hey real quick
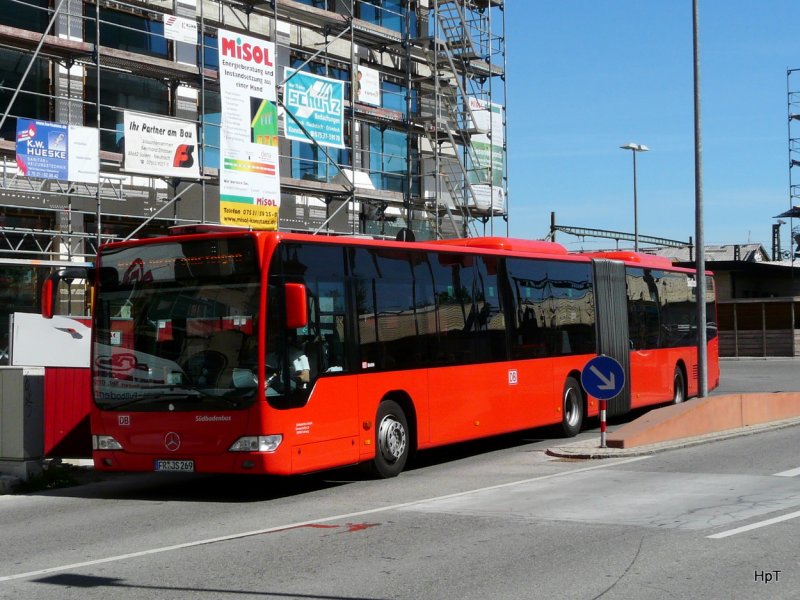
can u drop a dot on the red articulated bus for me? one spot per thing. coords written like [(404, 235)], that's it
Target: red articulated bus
[(267, 352)]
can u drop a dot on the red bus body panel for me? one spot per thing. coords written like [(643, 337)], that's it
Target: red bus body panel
[(67, 404)]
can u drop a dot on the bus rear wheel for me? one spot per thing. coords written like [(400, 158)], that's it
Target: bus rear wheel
[(678, 387), (392, 440), (571, 408)]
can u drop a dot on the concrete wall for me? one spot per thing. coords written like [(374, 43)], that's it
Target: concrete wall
[(704, 416)]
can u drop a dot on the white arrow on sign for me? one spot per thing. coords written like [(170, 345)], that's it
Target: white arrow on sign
[(607, 382)]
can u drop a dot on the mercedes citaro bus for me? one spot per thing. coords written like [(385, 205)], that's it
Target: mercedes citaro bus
[(197, 338)]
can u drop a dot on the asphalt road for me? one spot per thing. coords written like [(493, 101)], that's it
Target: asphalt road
[(748, 375), (492, 519)]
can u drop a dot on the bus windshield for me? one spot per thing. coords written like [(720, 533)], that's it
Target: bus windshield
[(175, 326)]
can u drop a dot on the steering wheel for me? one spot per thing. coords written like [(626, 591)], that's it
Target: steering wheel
[(204, 368)]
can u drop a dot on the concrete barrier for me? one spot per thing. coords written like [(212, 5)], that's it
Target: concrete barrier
[(705, 415), (21, 421)]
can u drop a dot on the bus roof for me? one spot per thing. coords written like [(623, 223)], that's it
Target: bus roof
[(492, 243), (193, 228), (630, 257), (507, 244)]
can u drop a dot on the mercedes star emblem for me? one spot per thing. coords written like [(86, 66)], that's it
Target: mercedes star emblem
[(172, 441)]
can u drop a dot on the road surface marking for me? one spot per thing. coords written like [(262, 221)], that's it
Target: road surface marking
[(752, 526), (789, 473), (238, 536)]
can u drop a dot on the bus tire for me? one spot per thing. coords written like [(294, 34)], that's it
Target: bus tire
[(678, 386), (392, 440), (571, 408)]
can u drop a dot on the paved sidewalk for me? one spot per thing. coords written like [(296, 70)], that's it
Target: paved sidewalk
[(590, 448)]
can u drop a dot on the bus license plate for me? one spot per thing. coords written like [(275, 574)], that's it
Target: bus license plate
[(186, 466)]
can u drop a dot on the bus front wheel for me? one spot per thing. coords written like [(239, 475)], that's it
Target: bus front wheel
[(392, 440), (571, 408)]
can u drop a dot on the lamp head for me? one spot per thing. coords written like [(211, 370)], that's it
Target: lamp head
[(635, 147)]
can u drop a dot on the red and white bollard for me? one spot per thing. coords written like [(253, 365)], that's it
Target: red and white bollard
[(603, 404)]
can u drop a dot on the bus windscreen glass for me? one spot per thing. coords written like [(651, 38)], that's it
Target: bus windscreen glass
[(175, 326)]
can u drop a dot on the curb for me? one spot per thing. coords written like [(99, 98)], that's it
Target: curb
[(588, 449)]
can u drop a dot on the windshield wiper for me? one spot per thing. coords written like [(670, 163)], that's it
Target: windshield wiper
[(158, 395), (230, 397)]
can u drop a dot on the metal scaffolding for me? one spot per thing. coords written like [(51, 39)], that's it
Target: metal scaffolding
[(793, 107), (443, 90)]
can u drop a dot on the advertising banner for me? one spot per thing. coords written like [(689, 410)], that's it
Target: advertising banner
[(179, 29), (250, 184), (368, 86), (160, 146), (55, 151), (42, 149), (318, 104), (83, 148), (488, 150)]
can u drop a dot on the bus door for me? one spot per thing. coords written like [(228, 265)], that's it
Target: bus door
[(650, 376), (613, 337), (309, 378)]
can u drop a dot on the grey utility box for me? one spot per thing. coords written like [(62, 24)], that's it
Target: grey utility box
[(21, 421)]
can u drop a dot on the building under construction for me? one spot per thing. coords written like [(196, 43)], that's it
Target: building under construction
[(414, 143)]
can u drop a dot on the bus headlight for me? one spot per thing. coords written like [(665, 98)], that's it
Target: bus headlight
[(105, 442), (257, 443)]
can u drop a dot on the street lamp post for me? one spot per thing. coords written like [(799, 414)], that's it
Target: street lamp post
[(634, 148), (699, 234)]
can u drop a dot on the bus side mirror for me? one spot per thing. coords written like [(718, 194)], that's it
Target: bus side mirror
[(49, 290), (296, 303), (50, 287)]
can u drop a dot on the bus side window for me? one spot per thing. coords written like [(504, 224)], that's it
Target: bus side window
[(320, 269)]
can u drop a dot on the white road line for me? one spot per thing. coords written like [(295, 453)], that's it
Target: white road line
[(752, 526), (237, 536), (789, 473)]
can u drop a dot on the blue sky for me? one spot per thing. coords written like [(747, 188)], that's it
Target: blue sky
[(585, 77)]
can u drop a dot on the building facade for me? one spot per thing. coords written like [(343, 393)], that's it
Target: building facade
[(412, 143)]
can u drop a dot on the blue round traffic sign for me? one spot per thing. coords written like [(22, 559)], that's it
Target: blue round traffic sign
[(603, 377)]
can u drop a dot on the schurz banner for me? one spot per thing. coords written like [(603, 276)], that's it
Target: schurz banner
[(56, 151), (317, 103), (160, 146), (250, 184)]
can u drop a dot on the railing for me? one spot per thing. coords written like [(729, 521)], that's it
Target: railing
[(753, 327)]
